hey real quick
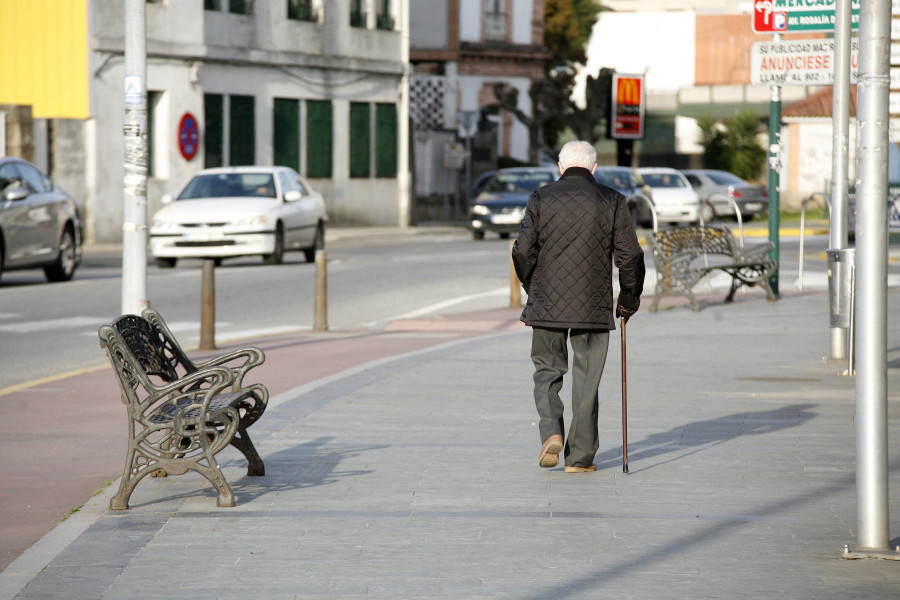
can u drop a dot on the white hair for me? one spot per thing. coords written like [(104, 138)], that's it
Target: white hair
[(577, 153)]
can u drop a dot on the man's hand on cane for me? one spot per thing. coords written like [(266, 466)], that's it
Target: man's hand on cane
[(626, 307)]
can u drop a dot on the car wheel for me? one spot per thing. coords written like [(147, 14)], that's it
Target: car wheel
[(277, 256), (477, 235), (318, 243), (707, 212), (64, 267), (166, 263), (504, 236)]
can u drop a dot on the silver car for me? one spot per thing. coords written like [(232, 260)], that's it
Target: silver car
[(40, 225), (716, 187)]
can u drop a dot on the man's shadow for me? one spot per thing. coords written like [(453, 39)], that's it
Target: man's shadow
[(693, 437)]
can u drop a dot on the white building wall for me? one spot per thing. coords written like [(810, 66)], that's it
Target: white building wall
[(192, 52), (660, 44), (521, 21), (470, 18)]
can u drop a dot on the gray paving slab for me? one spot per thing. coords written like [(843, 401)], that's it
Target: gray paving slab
[(417, 478)]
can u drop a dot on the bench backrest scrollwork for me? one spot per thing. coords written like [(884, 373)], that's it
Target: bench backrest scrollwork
[(705, 239)]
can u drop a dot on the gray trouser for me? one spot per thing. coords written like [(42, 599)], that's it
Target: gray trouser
[(549, 352)]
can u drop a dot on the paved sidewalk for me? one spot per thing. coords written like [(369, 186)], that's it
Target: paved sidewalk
[(403, 464)]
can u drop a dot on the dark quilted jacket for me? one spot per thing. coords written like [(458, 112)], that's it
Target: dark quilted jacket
[(564, 254)]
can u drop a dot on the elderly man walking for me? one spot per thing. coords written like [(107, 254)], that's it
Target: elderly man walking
[(572, 231)]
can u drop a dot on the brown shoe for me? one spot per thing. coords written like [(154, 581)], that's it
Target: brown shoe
[(549, 456), (574, 469)]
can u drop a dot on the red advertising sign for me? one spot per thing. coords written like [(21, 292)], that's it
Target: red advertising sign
[(628, 106)]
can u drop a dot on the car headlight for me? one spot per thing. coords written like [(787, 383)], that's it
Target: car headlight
[(158, 223), (254, 220), (480, 209)]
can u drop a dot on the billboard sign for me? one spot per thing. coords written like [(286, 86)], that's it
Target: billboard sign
[(628, 104), (794, 16), (798, 62)]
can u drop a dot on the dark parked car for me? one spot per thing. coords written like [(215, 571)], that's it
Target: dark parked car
[(501, 204), (629, 183), (40, 225), (752, 199)]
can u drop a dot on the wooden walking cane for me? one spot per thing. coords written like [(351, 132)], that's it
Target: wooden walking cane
[(624, 406)]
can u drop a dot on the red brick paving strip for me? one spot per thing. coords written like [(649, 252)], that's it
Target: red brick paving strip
[(61, 441)]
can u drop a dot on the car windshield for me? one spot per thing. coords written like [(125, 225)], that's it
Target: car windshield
[(723, 178), (518, 183), (613, 178), (230, 185), (663, 180)]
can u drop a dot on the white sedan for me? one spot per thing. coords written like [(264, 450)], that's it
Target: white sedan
[(674, 198), (239, 211)]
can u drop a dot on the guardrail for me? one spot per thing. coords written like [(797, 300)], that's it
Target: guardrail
[(806, 201)]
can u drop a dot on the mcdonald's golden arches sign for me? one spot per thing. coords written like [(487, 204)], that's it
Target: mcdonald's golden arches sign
[(628, 106)]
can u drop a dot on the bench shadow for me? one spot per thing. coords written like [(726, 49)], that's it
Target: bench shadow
[(310, 464), (314, 463), (690, 438)]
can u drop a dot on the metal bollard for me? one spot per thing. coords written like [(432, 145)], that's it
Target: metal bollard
[(208, 306), (320, 318), (515, 286)]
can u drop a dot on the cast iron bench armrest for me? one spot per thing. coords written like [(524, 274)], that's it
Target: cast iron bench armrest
[(180, 414), (253, 357)]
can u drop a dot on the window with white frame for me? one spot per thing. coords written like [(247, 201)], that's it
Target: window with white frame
[(495, 20)]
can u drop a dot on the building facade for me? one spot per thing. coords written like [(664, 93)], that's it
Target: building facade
[(699, 67), (317, 85), (459, 51)]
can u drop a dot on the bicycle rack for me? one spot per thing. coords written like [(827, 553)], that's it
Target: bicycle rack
[(737, 213), (640, 196)]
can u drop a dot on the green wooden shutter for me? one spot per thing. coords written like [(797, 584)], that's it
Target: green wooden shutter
[(318, 138), (386, 140), (242, 127), (213, 116), (360, 139), (286, 133)]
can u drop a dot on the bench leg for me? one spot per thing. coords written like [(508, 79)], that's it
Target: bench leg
[(735, 286), (242, 442), (132, 474), (213, 474)]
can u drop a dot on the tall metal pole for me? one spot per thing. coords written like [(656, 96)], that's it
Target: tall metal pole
[(404, 207), (134, 223), (774, 173), (840, 151), (873, 82)]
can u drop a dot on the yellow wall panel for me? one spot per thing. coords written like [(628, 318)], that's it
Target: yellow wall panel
[(44, 57)]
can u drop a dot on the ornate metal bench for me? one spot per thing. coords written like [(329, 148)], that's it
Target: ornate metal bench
[(683, 255), (180, 414)]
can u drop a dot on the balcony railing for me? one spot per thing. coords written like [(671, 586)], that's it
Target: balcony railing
[(495, 26)]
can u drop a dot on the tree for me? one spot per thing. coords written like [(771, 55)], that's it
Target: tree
[(733, 145), (567, 28)]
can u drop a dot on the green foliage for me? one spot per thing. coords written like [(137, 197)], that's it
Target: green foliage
[(567, 28), (733, 146)]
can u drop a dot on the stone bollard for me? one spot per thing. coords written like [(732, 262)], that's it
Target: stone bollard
[(320, 317), (208, 306)]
